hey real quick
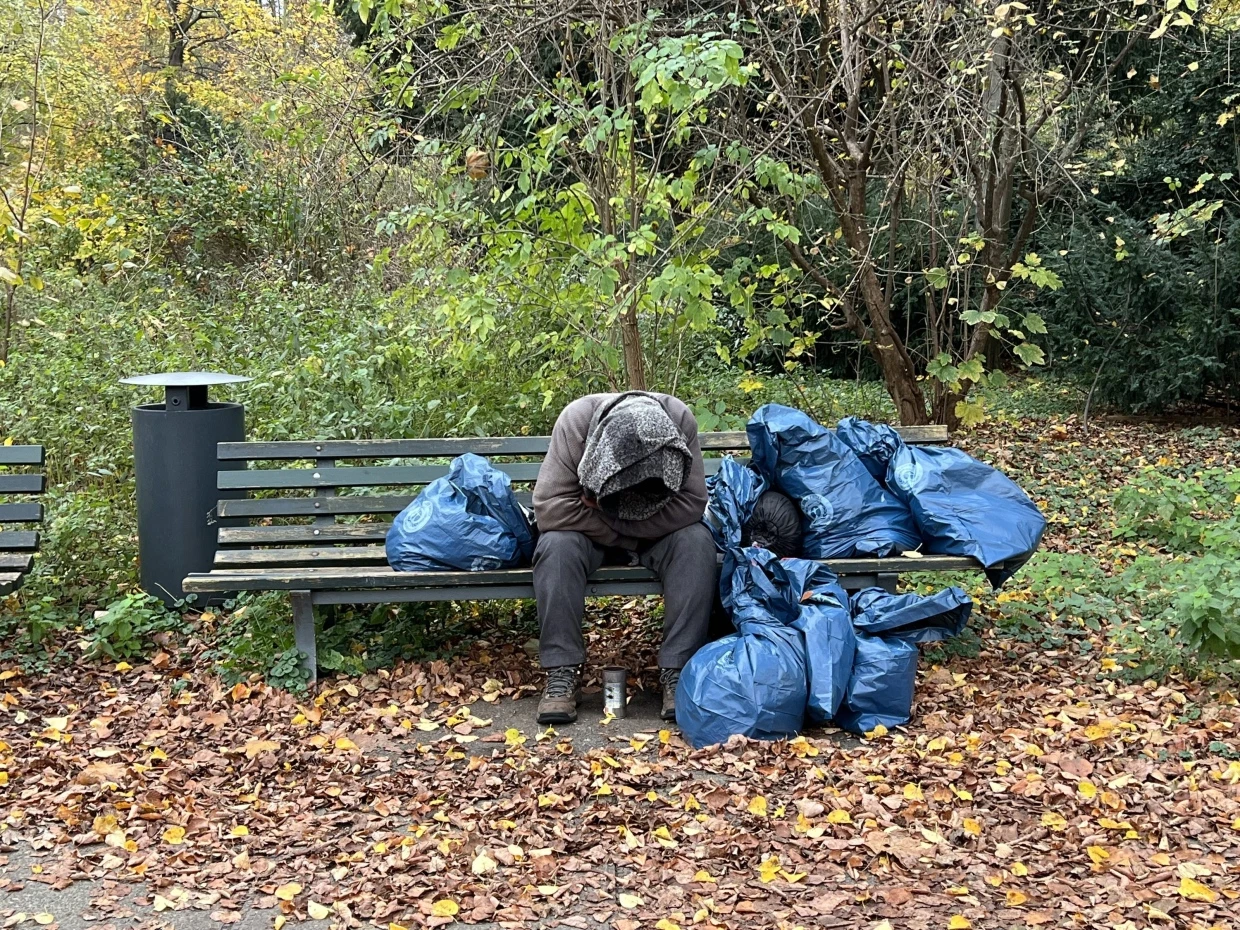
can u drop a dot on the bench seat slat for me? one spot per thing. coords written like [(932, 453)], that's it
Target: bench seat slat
[(9, 582), (21, 484), (21, 455), (314, 506), (15, 562), (21, 513), (10, 541), (380, 577)]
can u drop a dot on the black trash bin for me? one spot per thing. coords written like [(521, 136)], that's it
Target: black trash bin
[(175, 465)]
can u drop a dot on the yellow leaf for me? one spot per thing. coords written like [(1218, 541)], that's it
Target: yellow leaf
[(1019, 869), (701, 875), (288, 892), (1097, 854), (318, 911), (972, 826), (958, 922), (105, 824), (257, 747), (239, 830), (513, 737), (757, 806), (445, 907), (877, 733), (932, 836), (483, 864), (769, 869), (280, 921), (344, 744), (839, 816), (426, 726), (44, 918), (665, 924), (1088, 789), (665, 736), (630, 901), (1053, 820), (913, 792), (793, 877), (1016, 898), (994, 880), (1195, 891), (174, 836)]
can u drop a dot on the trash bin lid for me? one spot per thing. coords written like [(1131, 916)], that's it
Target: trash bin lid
[(186, 379)]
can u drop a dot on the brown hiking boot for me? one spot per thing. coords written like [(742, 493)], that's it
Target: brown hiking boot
[(669, 678), (561, 695)]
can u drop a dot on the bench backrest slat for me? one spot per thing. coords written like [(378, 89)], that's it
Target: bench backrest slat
[(21, 455), (21, 513), (21, 484), (286, 488), (12, 542)]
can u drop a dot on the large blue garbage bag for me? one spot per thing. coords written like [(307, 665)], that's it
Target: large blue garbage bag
[(845, 511), (752, 681), (889, 627), (966, 507), (731, 493), (825, 620), (874, 443), (468, 520)]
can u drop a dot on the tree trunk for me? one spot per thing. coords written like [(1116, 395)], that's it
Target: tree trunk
[(630, 336)]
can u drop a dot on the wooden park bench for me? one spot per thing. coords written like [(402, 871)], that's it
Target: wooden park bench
[(18, 544), (319, 527)]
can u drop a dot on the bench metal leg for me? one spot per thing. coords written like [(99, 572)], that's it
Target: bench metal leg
[(887, 581), (303, 631)]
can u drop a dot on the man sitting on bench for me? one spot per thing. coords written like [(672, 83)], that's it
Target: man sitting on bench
[(622, 483)]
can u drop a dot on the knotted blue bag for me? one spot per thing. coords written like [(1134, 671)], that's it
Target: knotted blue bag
[(825, 620), (874, 443), (965, 507), (845, 511), (753, 681), (731, 494), (884, 674), (468, 520)]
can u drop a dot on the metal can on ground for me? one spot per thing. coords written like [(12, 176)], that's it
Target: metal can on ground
[(615, 691)]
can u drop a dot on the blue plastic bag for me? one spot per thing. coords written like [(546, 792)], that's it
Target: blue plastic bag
[(845, 511), (874, 443), (731, 494), (825, 620), (965, 507), (468, 520), (753, 681), (884, 674)]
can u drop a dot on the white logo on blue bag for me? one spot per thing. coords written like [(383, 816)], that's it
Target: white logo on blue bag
[(818, 510), (484, 564), (415, 518), (908, 475)]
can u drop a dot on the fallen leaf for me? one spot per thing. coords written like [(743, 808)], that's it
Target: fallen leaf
[(288, 892), (256, 747), (483, 864), (1015, 898), (1087, 789), (318, 911), (630, 901), (972, 827), (958, 922), (445, 907), (757, 806), (913, 792), (1194, 890), (839, 816), (174, 836)]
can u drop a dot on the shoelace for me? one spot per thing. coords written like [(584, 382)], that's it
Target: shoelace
[(561, 682), (669, 677)]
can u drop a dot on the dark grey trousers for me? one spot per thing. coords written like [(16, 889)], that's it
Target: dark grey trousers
[(684, 561)]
